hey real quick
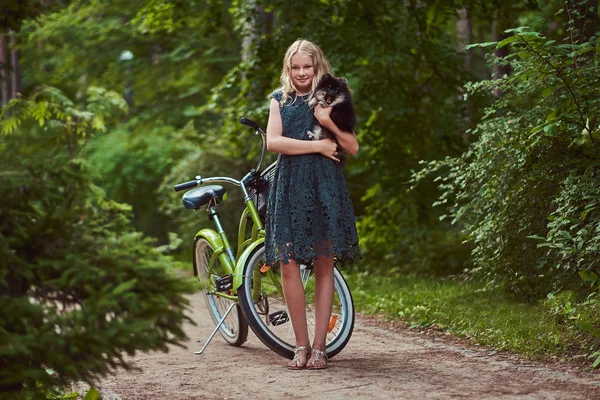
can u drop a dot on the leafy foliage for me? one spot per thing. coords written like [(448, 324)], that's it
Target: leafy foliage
[(80, 45), (15, 11), (50, 104), (79, 288), (534, 158), (179, 51), (130, 165)]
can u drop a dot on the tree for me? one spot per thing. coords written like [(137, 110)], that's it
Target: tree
[(15, 67), (4, 61), (464, 33), (582, 20), (526, 192), (79, 288), (182, 50), (501, 23), (12, 14)]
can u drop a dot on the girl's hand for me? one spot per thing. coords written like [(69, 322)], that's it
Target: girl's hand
[(328, 148), (323, 115)]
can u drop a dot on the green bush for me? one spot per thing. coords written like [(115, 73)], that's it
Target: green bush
[(79, 288), (130, 164), (531, 174)]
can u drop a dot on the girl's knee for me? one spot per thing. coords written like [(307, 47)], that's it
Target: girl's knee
[(288, 269), (324, 261)]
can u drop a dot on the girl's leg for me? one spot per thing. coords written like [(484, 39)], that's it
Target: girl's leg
[(323, 304), (293, 291)]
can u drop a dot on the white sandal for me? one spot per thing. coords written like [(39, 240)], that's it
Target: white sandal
[(296, 358), (318, 354)]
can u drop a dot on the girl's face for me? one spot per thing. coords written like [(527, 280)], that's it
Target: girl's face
[(302, 72)]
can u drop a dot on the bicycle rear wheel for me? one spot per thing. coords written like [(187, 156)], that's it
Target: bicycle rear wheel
[(235, 328), (262, 302)]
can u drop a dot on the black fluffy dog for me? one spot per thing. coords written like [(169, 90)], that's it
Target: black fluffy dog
[(333, 92)]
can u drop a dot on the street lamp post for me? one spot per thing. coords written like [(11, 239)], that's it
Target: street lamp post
[(126, 57)]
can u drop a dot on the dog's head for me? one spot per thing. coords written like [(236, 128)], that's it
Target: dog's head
[(329, 88)]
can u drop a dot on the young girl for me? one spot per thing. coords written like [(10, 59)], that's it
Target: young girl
[(309, 212)]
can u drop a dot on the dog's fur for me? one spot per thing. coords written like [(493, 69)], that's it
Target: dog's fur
[(333, 92)]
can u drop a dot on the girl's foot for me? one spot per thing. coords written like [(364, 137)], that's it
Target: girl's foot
[(300, 359), (318, 360)]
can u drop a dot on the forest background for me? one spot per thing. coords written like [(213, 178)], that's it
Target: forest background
[(476, 189)]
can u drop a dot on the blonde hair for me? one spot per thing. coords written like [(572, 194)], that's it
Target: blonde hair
[(320, 64)]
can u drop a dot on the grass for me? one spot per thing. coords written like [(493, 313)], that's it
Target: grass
[(488, 316)]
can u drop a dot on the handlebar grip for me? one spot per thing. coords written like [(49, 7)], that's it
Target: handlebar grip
[(186, 185), (250, 123)]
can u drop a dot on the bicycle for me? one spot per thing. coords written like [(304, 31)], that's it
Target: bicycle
[(242, 281)]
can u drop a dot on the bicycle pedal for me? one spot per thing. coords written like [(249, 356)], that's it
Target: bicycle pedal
[(279, 318), (224, 283)]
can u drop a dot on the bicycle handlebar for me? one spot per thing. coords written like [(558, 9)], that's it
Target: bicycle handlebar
[(252, 124), (258, 129), (186, 185)]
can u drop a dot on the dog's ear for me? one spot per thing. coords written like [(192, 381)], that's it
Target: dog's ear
[(326, 76), (344, 82)]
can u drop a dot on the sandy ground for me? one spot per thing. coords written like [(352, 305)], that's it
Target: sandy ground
[(382, 361)]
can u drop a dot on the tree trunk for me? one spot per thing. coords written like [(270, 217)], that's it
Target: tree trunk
[(15, 66), (464, 36), (4, 65), (260, 22), (250, 37), (500, 24), (585, 18)]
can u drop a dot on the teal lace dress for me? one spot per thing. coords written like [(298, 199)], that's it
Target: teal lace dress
[(309, 211)]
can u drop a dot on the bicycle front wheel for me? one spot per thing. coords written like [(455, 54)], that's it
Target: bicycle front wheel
[(235, 328), (263, 304)]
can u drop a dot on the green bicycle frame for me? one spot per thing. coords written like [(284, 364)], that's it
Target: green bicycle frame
[(251, 213), (223, 249)]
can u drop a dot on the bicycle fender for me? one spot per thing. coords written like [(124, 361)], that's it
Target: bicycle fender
[(213, 237), (239, 265), (217, 243)]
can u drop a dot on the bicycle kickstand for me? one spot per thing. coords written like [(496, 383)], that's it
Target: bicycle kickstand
[(216, 329)]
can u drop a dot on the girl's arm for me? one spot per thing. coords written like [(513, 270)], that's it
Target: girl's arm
[(278, 143), (347, 140)]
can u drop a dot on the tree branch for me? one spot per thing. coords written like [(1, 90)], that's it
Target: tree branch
[(563, 78)]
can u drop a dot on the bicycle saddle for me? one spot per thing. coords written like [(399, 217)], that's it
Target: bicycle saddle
[(201, 196)]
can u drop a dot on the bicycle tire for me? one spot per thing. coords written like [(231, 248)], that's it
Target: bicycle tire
[(235, 328), (257, 305)]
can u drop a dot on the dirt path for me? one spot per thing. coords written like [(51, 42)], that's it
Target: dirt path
[(380, 362)]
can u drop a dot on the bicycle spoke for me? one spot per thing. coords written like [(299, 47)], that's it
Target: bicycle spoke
[(230, 328), (275, 329)]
